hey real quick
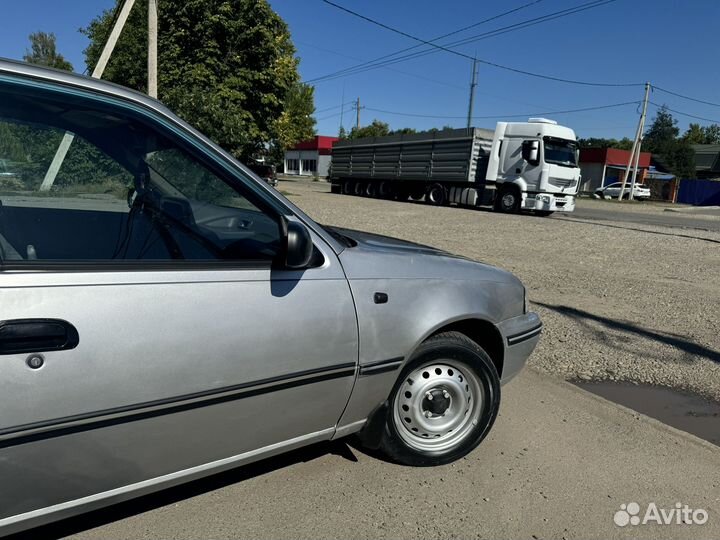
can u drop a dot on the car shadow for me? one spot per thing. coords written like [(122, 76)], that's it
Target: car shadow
[(678, 341), (153, 501)]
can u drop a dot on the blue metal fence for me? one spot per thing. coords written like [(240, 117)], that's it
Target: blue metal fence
[(699, 192)]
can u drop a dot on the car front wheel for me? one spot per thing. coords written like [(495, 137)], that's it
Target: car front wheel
[(444, 403)]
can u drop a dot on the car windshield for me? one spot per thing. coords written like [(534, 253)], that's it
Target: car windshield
[(561, 151)]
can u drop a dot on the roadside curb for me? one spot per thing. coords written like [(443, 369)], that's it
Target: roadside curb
[(657, 424), (693, 209)]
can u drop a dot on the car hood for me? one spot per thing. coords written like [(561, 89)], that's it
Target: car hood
[(373, 256)]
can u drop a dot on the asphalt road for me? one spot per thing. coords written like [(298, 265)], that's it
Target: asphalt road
[(558, 464), (653, 215)]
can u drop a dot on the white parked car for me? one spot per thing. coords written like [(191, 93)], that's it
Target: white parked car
[(612, 191)]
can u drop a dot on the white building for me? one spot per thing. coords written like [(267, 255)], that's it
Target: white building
[(310, 158)]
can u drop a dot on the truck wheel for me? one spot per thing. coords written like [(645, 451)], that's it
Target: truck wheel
[(444, 403), (359, 189), (417, 194), (508, 200), (371, 190), (401, 193), (384, 190), (436, 195), (347, 187)]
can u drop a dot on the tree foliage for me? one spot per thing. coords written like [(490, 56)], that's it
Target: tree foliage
[(375, 129), (661, 138), (594, 142), (697, 134), (228, 67), (43, 51)]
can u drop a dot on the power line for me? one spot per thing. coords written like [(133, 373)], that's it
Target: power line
[(335, 114), (684, 113), (459, 30), (333, 107), (492, 33), (525, 115), (686, 97), (538, 20), (415, 75)]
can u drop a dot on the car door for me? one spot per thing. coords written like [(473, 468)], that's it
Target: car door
[(148, 332)]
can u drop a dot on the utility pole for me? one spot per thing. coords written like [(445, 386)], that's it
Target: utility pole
[(635, 154), (342, 109), (357, 120), (152, 47), (102, 62), (473, 84)]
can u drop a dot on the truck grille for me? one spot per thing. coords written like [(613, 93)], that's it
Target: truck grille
[(562, 183)]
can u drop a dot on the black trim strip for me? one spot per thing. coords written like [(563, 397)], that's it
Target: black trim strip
[(524, 336), (178, 265), (381, 366), (58, 427)]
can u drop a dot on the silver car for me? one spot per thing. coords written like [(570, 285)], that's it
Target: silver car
[(166, 315)]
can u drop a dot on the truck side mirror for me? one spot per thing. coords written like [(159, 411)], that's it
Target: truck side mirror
[(531, 152)]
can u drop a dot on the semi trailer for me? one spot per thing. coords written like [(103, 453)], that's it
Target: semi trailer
[(518, 166)]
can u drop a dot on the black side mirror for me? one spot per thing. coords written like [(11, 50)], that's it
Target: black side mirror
[(531, 152), (298, 245)]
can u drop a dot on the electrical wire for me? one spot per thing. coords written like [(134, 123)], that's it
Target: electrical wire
[(685, 97), (335, 114), (567, 111), (684, 113), (576, 9), (459, 30)]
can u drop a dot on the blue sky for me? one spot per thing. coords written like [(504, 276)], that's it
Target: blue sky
[(673, 44)]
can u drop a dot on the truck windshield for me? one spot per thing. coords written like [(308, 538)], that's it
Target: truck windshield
[(561, 151)]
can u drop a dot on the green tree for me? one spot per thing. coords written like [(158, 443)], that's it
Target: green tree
[(296, 123), (376, 129), (403, 131), (697, 134), (444, 128), (661, 138), (593, 142), (342, 133), (225, 66), (43, 51)]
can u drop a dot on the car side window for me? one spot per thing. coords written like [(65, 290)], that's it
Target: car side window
[(123, 191)]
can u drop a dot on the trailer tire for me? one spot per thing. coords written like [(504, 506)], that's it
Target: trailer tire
[(384, 190), (358, 189), (436, 195), (417, 194), (371, 190), (508, 200), (347, 187)]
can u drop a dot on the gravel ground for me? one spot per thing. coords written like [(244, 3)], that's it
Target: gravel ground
[(626, 302)]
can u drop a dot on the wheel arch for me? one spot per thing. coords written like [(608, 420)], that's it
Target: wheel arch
[(482, 332)]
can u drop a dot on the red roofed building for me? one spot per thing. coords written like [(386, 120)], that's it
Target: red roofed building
[(604, 166), (310, 158)]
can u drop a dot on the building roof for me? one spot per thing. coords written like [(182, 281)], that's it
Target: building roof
[(612, 156), (707, 157), (321, 143)]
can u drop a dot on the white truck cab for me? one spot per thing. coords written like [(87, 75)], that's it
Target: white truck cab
[(536, 160)]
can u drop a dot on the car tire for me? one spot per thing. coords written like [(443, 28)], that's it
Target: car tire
[(436, 195), (508, 200), (465, 387)]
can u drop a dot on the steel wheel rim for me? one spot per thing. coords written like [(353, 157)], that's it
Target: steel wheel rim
[(418, 420), (508, 200), (435, 196)]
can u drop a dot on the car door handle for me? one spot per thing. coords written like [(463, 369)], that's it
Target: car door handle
[(36, 335)]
